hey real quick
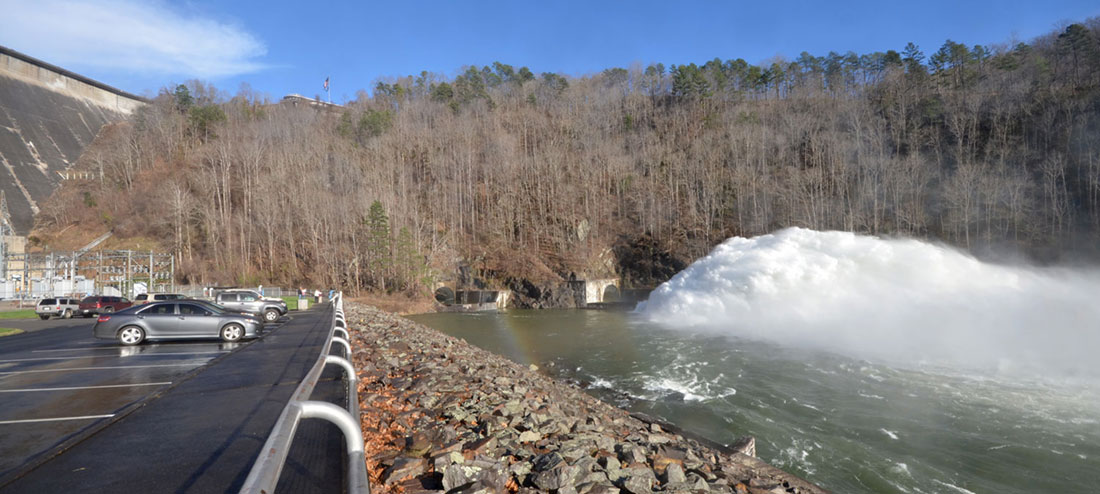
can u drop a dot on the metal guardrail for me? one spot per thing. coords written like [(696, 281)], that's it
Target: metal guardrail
[(265, 472)]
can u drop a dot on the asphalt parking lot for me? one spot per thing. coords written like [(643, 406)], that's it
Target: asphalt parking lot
[(57, 381), (35, 324), (84, 415)]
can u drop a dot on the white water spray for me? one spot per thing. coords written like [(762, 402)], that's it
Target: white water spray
[(895, 299)]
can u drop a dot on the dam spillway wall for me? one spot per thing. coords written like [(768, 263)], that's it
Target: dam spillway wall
[(17, 65), (48, 115)]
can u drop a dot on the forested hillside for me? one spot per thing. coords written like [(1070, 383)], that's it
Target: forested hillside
[(539, 177)]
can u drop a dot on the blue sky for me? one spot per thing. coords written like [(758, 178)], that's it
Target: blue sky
[(282, 47)]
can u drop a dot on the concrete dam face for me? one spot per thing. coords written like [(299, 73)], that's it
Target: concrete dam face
[(47, 117)]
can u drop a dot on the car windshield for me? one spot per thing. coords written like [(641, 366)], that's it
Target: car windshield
[(89, 300), (47, 301)]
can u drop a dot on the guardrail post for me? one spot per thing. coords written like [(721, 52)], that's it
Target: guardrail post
[(353, 437), (347, 346), (353, 382)]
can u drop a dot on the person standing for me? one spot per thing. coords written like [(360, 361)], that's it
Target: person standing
[(316, 295), (261, 290)]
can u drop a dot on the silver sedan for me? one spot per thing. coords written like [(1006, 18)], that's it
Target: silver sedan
[(175, 320)]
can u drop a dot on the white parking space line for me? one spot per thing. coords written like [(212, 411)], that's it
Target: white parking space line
[(108, 356), (56, 419), (75, 388), (116, 348), (193, 364)]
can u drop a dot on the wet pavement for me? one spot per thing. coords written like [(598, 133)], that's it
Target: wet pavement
[(77, 413), (35, 324)]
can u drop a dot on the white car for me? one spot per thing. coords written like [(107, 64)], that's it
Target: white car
[(145, 298), (62, 307)]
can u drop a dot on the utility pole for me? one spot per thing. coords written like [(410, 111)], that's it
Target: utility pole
[(26, 277), (129, 254), (150, 288), (5, 230)]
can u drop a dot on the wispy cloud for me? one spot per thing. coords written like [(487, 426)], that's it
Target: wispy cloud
[(140, 37)]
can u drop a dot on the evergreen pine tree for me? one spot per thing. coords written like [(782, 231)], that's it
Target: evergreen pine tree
[(379, 254)]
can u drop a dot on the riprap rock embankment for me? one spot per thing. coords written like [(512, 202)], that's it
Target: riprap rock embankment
[(440, 415)]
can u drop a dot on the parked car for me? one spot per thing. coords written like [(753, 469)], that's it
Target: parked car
[(145, 298), (183, 319), (100, 304), (258, 317), (248, 300), (62, 307)]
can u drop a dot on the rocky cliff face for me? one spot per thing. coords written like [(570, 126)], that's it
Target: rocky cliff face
[(545, 295)]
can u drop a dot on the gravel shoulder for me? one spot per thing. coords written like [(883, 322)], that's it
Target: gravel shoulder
[(441, 415)]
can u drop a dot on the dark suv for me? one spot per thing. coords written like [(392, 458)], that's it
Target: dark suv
[(252, 302), (102, 304)]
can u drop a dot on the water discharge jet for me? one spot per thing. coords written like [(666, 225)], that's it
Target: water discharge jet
[(899, 300)]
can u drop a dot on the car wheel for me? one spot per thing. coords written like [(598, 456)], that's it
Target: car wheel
[(131, 335), (232, 332), (68, 314), (43, 317), (271, 315)]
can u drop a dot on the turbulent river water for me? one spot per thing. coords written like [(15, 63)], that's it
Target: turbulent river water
[(861, 364)]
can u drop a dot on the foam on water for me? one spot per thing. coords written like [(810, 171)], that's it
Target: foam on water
[(954, 487), (665, 385), (901, 300), (600, 382), (901, 468)]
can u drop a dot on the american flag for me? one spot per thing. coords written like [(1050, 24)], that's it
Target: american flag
[(326, 84)]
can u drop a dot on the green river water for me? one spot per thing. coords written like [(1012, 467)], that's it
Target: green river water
[(846, 424)]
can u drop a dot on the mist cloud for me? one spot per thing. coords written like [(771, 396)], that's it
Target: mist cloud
[(899, 300)]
